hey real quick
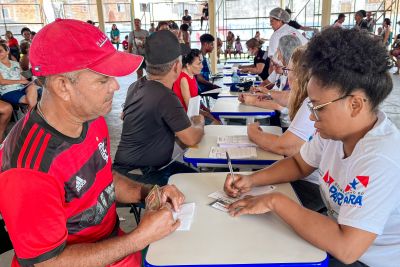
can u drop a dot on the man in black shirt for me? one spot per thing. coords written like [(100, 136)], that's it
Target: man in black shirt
[(153, 116), (187, 19)]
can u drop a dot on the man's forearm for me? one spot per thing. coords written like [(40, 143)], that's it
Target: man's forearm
[(129, 191), (202, 80), (99, 254)]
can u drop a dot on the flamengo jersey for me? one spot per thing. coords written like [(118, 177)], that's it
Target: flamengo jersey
[(57, 190)]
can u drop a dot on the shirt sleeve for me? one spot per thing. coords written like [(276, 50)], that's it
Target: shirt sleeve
[(31, 204), (312, 151), (372, 193), (301, 125), (273, 45), (173, 113)]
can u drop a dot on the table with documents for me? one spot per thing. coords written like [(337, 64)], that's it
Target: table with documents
[(216, 239), (200, 155), (230, 107)]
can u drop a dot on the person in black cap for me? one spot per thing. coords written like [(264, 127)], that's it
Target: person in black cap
[(153, 116)]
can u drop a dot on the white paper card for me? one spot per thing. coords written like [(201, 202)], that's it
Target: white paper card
[(255, 191), (234, 141), (185, 215), (194, 106), (234, 152)]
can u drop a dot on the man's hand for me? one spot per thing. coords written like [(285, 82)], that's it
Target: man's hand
[(253, 130), (197, 120), (171, 194), (156, 225), (251, 205), (238, 185)]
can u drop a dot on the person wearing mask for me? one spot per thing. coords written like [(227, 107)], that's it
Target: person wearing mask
[(261, 59)]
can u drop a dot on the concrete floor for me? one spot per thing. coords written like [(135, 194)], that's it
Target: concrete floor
[(391, 106)]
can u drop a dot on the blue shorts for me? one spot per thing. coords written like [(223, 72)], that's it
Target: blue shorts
[(15, 96)]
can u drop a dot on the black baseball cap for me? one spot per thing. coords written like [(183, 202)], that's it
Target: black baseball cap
[(163, 46)]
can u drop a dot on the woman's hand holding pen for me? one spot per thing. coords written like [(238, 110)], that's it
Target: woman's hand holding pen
[(237, 185)]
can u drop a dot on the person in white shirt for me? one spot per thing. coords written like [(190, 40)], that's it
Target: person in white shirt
[(300, 130), (277, 100), (278, 19), (355, 151), (339, 22)]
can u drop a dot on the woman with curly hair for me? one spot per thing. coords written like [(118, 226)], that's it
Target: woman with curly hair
[(355, 152)]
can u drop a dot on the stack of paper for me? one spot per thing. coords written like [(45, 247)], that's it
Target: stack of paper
[(234, 141), (194, 106), (234, 152), (185, 215)]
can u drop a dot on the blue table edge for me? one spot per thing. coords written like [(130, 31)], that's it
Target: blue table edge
[(323, 263), (243, 114), (196, 161)]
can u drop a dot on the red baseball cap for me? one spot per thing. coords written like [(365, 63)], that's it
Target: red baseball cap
[(68, 45)]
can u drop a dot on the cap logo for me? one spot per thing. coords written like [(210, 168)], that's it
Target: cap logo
[(102, 41)]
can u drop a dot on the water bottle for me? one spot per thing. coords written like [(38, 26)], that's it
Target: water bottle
[(235, 76)]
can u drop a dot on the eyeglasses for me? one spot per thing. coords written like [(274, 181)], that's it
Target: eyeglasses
[(286, 71), (314, 110)]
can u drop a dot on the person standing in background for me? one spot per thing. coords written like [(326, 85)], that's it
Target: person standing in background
[(12, 43), (339, 22), (137, 39), (115, 35)]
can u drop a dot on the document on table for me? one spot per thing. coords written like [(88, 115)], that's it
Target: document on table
[(234, 152), (235, 141), (194, 106), (185, 215), (222, 200)]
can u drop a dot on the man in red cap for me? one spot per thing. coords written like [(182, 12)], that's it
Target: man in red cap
[(56, 163)]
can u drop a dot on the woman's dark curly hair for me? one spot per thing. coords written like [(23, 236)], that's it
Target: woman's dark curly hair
[(351, 60), (189, 58)]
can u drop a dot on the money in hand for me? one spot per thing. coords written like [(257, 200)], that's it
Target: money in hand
[(153, 199)]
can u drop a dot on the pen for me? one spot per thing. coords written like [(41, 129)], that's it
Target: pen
[(230, 167)]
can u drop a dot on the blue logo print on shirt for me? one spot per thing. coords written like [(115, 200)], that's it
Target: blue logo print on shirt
[(353, 193)]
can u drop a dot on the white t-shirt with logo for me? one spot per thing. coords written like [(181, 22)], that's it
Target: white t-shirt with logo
[(303, 128), (363, 190), (282, 31)]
